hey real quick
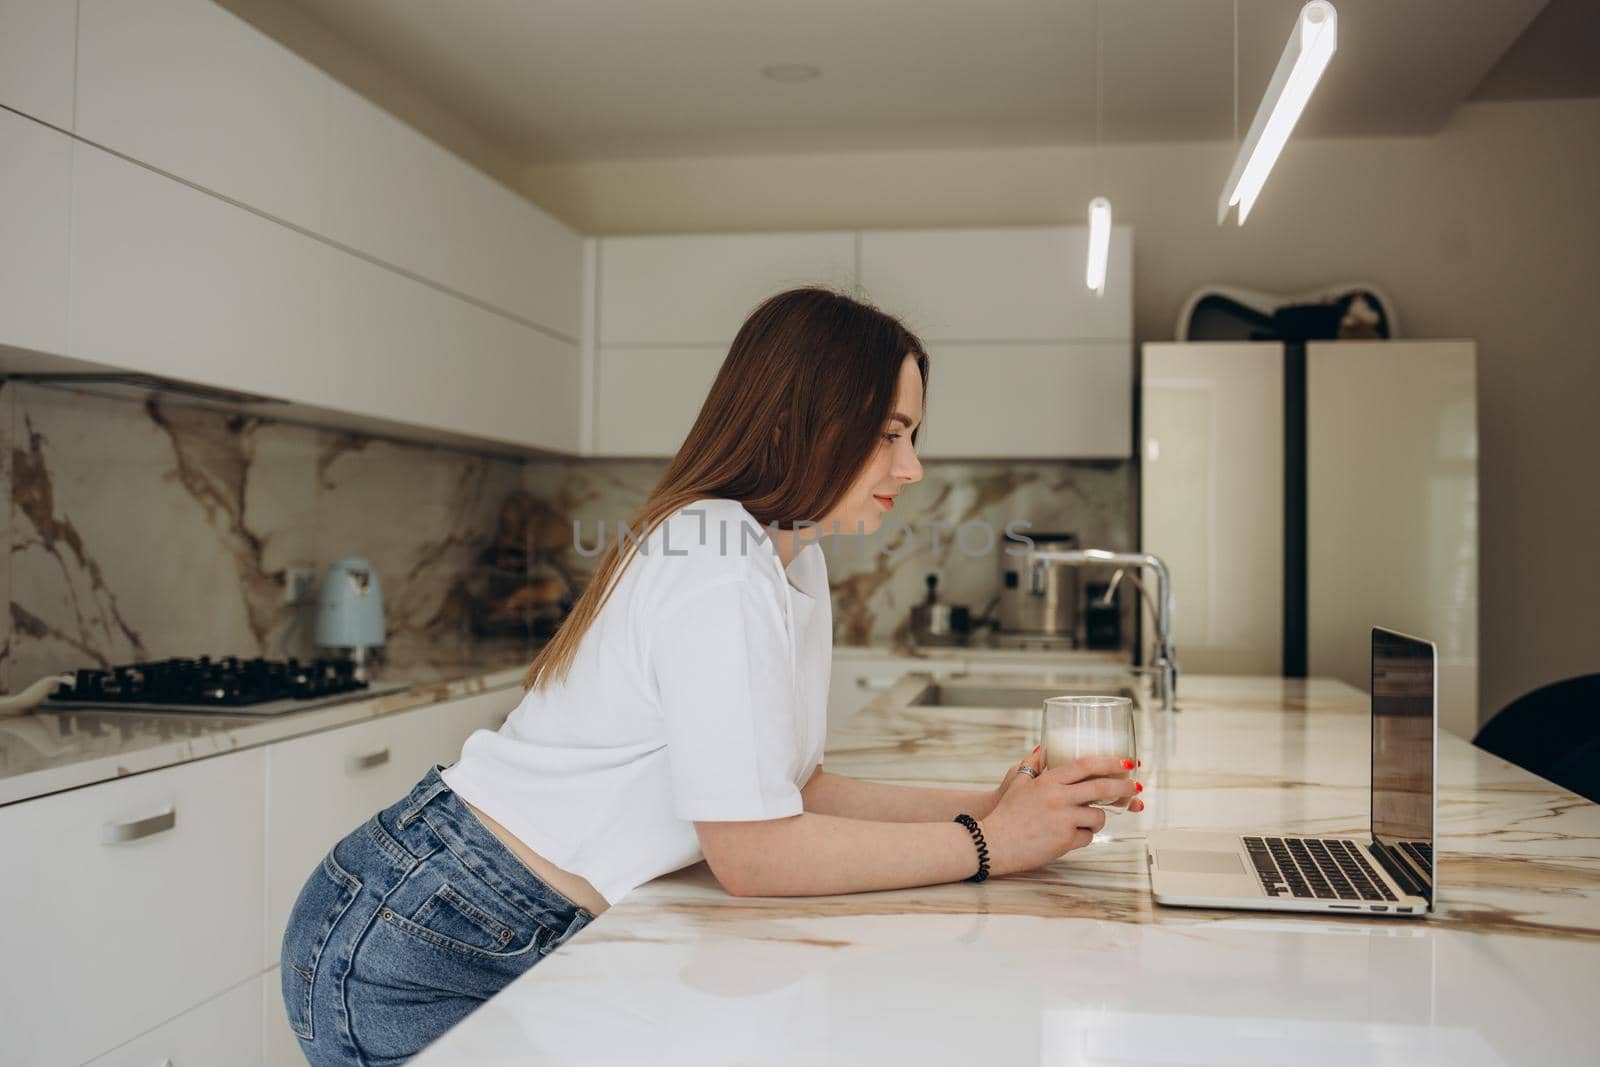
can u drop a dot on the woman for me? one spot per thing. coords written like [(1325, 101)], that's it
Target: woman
[(678, 714)]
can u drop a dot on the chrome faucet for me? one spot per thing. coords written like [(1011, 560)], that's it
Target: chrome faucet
[(1165, 657)]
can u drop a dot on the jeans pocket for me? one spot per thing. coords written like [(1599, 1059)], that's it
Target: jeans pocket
[(322, 902), (451, 917)]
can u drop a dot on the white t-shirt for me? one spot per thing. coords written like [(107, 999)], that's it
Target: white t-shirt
[(699, 692)]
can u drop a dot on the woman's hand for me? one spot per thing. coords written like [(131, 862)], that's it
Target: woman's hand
[(1036, 821), (1014, 774)]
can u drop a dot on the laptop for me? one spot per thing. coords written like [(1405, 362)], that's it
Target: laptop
[(1389, 872)]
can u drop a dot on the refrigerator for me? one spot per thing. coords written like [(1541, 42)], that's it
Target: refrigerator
[(1302, 494)]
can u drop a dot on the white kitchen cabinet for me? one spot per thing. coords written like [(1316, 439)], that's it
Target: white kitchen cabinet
[(1026, 362), (191, 89), (396, 195), (1023, 283), (188, 88), (36, 45), (322, 786), (35, 171), (1211, 499), (395, 348), (697, 290), (221, 1031), (119, 885), (279, 1045), (1028, 400), (651, 395), (363, 769), (171, 281), (1392, 510)]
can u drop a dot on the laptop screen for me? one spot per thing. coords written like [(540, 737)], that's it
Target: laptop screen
[(1404, 704)]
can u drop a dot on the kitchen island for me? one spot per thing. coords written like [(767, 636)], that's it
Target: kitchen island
[(1073, 963)]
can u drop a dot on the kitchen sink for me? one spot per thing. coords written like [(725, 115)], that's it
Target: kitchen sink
[(957, 695)]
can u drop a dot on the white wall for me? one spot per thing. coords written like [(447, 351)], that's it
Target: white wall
[(1489, 229)]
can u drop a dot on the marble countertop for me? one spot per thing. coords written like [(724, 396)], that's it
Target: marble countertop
[(47, 751), (986, 655), (1074, 963)]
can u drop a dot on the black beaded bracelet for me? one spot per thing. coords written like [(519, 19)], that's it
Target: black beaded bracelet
[(977, 839)]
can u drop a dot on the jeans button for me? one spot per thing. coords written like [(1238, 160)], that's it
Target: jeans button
[(505, 935)]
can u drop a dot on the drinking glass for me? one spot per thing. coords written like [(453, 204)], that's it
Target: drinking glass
[(1074, 726)]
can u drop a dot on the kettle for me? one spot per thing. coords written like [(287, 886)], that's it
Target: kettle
[(350, 611), (934, 623)]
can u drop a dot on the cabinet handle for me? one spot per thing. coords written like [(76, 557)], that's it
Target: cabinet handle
[(370, 760), (115, 833)]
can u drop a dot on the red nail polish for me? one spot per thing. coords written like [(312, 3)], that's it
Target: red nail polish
[(1139, 763), (1035, 749), (1127, 764), (1138, 787)]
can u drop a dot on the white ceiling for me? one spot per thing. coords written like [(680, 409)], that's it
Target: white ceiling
[(587, 79)]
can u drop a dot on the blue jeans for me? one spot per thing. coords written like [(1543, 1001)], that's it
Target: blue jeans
[(409, 923)]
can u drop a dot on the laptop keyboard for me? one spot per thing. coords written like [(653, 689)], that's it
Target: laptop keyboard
[(1315, 869), (1421, 852)]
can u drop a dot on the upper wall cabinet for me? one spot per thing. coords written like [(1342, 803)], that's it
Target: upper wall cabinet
[(192, 90), (35, 169), (1028, 401), (36, 58), (1008, 284), (1027, 362), (698, 290), (171, 281), (399, 349), (188, 88), (650, 395), (396, 195)]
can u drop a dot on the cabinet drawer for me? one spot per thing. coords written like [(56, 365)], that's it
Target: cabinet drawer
[(321, 787), (224, 1030), (132, 901)]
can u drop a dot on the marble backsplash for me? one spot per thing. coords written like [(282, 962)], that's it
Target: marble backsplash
[(146, 527), (876, 580)]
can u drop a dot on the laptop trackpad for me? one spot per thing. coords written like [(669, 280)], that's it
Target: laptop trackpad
[(1197, 861)]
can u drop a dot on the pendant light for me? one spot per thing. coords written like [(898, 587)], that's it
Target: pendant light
[(1099, 207), (1311, 45)]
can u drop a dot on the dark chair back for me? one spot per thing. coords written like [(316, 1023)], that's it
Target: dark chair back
[(1554, 732)]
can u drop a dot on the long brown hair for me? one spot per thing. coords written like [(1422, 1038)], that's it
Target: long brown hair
[(824, 368)]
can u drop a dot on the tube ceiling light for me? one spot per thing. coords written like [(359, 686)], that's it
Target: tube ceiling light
[(1311, 45), (1099, 243)]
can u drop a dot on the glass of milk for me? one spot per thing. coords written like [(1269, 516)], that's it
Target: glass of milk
[(1074, 726)]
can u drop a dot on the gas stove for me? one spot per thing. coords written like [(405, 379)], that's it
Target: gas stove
[(229, 685)]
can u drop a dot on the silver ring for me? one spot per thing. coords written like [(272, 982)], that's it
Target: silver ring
[(1023, 768)]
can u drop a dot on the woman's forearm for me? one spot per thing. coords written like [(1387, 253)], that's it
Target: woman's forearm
[(823, 855), (851, 798)]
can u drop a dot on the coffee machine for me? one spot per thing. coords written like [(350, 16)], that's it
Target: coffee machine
[(1039, 606)]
